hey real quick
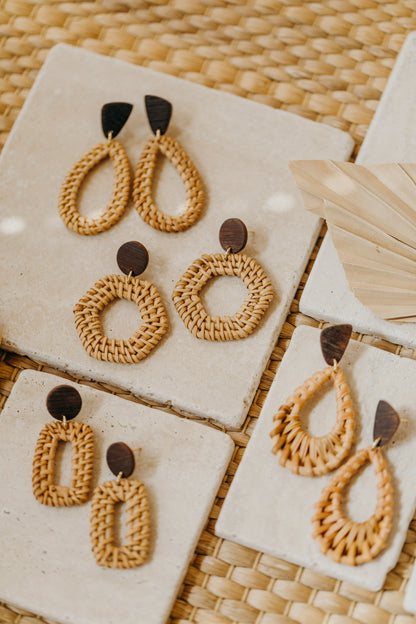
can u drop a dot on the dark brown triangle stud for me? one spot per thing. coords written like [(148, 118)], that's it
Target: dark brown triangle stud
[(334, 341), (120, 458), (386, 423), (159, 112), (113, 117)]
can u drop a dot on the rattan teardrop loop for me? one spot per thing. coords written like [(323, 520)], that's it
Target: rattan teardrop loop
[(119, 197), (304, 454), (341, 539), (152, 311), (81, 438), (185, 296), (104, 500), (143, 181)]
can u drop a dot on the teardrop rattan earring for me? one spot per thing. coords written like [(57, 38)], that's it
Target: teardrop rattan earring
[(120, 460), (132, 259), (159, 112), (339, 538), (113, 117), (304, 454), (63, 403), (185, 296)]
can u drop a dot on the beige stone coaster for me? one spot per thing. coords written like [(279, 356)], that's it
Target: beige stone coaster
[(46, 563), (270, 509), (240, 149), (409, 602), (390, 138)]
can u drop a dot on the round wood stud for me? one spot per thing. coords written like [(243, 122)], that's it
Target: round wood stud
[(233, 235), (120, 458), (63, 401), (132, 257)]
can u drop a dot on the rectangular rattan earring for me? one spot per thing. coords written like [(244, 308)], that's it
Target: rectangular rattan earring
[(340, 538), (120, 460), (304, 454), (63, 403)]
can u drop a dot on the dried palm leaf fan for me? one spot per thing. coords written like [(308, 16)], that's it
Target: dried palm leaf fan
[(371, 216)]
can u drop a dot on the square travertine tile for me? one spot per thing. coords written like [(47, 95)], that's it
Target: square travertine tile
[(390, 138), (47, 565), (241, 150), (270, 509), (409, 602)]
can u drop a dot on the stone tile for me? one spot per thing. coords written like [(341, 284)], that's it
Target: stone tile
[(47, 565), (391, 138), (240, 149), (270, 509)]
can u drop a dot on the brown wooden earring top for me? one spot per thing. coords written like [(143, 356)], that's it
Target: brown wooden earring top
[(233, 235), (132, 257), (63, 401), (120, 459), (334, 341)]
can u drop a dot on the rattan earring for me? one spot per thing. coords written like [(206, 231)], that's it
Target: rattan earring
[(113, 117), (304, 454), (343, 540), (159, 112), (63, 403), (132, 259), (185, 296), (120, 460)]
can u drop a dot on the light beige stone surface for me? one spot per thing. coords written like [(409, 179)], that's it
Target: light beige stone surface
[(46, 563), (390, 138), (240, 149), (270, 509)]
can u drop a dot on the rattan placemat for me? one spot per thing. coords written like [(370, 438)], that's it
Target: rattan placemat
[(328, 61)]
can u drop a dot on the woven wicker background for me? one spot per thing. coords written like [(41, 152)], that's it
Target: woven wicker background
[(328, 61)]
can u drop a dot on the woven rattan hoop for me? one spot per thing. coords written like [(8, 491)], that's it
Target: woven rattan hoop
[(341, 539), (119, 197), (81, 438), (192, 312), (143, 181), (87, 319), (104, 500), (304, 454)]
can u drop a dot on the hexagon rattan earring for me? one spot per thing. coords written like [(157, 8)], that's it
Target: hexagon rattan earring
[(132, 259), (133, 553), (159, 112), (113, 117), (63, 403), (340, 538), (185, 296), (308, 455)]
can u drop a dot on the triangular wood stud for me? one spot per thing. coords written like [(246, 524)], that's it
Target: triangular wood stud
[(113, 117), (159, 112), (334, 341), (385, 424)]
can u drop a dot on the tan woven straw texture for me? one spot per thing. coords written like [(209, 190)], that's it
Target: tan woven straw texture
[(328, 61)]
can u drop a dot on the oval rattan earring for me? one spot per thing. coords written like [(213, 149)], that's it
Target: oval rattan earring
[(63, 403), (132, 259), (185, 296), (308, 455), (120, 460), (339, 538), (113, 117), (159, 112)]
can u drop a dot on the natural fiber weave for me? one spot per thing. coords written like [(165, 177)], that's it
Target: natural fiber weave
[(104, 500), (192, 312), (81, 438), (143, 181), (328, 61), (342, 539), (304, 454), (67, 204), (87, 319)]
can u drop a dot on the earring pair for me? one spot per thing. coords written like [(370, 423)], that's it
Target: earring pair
[(64, 403), (132, 259), (114, 115), (338, 537)]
